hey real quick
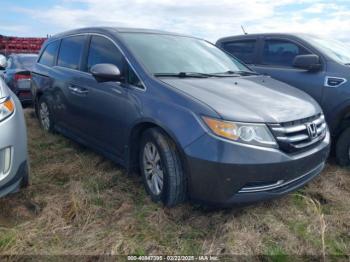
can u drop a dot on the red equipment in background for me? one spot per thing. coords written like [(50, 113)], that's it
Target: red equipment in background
[(14, 45)]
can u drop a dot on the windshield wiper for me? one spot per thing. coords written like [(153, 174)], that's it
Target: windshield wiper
[(205, 75), (183, 75), (242, 72)]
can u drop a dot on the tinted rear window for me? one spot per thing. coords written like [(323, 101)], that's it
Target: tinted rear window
[(48, 56), (70, 52), (243, 50), (27, 61)]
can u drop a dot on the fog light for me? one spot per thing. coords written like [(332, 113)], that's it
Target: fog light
[(5, 161)]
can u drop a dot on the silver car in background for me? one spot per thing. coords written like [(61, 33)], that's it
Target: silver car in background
[(13, 143)]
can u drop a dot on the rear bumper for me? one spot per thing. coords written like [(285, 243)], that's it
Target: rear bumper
[(23, 91), (25, 98), (225, 174)]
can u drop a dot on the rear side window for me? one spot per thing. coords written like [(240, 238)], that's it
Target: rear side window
[(102, 51), (243, 50), (48, 56), (71, 51), (281, 52)]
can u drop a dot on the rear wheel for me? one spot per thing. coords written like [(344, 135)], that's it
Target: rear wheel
[(343, 148), (44, 115), (161, 168)]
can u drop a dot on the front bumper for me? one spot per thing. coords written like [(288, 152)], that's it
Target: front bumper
[(224, 173), (13, 139), (15, 183)]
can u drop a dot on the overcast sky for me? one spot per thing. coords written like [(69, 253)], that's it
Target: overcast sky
[(203, 18)]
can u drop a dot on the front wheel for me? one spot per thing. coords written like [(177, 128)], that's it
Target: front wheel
[(161, 168), (343, 148)]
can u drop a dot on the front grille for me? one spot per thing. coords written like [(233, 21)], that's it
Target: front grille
[(299, 135)]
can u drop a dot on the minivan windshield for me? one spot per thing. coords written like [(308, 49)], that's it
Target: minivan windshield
[(338, 51), (165, 54)]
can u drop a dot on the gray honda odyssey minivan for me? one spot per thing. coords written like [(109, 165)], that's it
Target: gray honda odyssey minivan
[(197, 123)]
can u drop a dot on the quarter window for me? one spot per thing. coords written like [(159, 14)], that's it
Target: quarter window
[(49, 55), (71, 51), (281, 52), (243, 50), (133, 79), (103, 51)]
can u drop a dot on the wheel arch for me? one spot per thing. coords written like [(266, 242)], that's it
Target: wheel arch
[(342, 120)]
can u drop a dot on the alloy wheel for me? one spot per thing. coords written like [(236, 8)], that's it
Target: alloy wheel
[(44, 116), (153, 169)]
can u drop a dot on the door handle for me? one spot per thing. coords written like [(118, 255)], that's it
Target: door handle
[(78, 90)]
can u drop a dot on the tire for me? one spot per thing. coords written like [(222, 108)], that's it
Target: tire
[(343, 148), (25, 179), (166, 168), (45, 115)]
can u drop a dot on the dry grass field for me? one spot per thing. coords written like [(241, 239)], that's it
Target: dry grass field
[(80, 203)]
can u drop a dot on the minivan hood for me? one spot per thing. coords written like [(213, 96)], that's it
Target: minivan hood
[(256, 99)]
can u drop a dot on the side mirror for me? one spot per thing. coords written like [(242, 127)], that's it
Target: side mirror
[(106, 72), (3, 62), (307, 62)]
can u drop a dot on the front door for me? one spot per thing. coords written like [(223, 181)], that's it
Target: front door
[(104, 106)]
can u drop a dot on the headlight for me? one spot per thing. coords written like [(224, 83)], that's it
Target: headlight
[(7, 107), (253, 134)]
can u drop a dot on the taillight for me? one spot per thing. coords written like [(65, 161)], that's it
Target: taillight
[(19, 76)]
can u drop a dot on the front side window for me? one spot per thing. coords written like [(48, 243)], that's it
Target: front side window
[(281, 52), (171, 54), (103, 51), (48, 56), (71, 51), (243, 50)]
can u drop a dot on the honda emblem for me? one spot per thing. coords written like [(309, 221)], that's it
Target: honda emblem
[(312, 130)]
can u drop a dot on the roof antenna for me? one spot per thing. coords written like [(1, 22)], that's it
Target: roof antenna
[(243, 30)]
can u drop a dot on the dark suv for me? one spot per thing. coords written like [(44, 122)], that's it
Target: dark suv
[(318, 66), (197, 123)]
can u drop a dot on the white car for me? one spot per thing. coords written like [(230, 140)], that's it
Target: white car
[(13, 143)]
